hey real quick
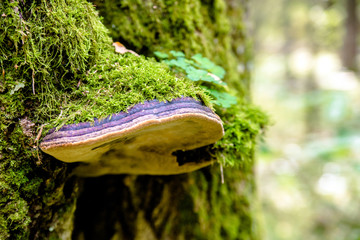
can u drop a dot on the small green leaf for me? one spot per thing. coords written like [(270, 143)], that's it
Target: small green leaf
[(218, 71), (190, 62), (177, 54), (208, 65), (204, 62), (161, 55), (223, 99), (196, 74), (190, 69), (181, 63), (200, 69), (209, 77)]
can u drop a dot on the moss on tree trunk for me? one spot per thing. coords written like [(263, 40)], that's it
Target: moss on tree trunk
[(58, 66)]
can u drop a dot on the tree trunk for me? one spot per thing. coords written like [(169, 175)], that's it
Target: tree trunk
[(349, 51), (47, 49)]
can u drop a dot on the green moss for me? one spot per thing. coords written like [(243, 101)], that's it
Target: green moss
[(117, 82), (70, 71), (243, 124), (14, 176), (214, 211), (23, 180)]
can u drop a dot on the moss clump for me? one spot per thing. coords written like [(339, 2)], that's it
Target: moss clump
[(117, 82), (243, 124), (61, 59), (23, 178)]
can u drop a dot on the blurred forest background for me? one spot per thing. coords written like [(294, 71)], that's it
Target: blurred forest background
[(306, 76)]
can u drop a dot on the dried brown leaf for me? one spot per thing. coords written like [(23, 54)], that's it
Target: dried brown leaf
[(119, 48)]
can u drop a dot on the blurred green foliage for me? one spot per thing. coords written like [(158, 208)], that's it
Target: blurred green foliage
[(309, 166)]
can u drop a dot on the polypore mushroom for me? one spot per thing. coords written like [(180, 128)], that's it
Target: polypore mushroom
[(142, 140)]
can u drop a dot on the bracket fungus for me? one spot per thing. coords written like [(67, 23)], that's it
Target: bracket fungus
[(143, 140)]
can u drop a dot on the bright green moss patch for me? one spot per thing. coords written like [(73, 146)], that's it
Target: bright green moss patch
[(118, 82), (49, 39)]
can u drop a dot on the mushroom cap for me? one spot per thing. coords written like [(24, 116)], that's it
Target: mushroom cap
[(142, 140)]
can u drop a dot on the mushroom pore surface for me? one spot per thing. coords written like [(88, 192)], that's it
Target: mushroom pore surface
[(143, 140)]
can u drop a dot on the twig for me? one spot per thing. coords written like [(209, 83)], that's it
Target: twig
[(222, 173), (33, 82), (39, 134), (38, 162)]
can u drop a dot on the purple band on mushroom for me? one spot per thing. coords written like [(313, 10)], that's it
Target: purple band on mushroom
[(152, 108)]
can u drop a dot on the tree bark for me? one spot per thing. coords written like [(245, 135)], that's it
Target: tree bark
[(41, 199)]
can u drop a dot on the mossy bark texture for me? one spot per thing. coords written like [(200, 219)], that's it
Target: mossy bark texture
[(58, 67)]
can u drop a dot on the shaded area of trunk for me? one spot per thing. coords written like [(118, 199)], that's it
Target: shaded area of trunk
[(188, 206)]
